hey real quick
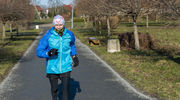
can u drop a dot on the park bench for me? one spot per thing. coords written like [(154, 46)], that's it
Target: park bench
[(93, 41)]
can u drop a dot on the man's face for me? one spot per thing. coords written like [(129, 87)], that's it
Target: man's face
[(59, 26)]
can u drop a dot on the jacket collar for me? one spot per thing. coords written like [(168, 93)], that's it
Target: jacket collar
[(55, 33)]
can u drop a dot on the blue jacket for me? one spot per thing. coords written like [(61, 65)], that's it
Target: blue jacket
[(66, 49)]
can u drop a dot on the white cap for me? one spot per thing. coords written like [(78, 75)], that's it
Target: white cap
[(58, 19)]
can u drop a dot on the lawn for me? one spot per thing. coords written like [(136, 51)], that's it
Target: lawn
[(12, 50), (42, 21), (153, 73)]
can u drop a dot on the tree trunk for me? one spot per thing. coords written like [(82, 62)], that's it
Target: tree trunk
[(11, 30), (4, 33), (17, 31), (94, 24), (72, 15), (10, 27), (100, 27), (147, 20), (129, 19), (85, 22), (136, 37), (156, 18), (88, 19), (55, 11), (37, 12), (108, 26)]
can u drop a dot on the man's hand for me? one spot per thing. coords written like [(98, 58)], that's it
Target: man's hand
[(53, 52), (75, 61)]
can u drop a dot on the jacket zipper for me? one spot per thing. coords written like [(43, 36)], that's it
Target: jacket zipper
[(60, 51)]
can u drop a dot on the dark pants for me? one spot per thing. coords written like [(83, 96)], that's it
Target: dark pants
[(53, 78)]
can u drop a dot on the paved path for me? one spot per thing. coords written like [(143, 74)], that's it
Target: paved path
[(92, 80)]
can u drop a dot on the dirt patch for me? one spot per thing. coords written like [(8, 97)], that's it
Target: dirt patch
[(127, 40)]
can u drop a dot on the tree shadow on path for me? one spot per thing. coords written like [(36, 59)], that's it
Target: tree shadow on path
[(74, 88)]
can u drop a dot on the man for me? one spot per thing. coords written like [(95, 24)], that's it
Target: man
[(58, 47)]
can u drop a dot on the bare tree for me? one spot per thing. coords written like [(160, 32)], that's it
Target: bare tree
[(169, 9), (3, 9), (97, 9), (13, 10), (132, 8), (87, 7), (35, 7), (106, 8), (135, 9), (56, 6)]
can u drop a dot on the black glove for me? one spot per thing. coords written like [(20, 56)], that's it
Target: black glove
[(53, 52), (75, 61)]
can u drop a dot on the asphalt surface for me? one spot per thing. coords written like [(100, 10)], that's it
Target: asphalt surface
[(91, 80)]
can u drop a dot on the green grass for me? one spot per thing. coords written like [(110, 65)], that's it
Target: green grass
[(141, 24), (43, 21), (166, 35), (147, 70), (12, 51)]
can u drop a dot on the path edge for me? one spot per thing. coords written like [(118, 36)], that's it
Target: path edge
[(119, 78)]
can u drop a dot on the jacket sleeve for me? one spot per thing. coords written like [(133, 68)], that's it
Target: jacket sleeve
[(72, 44), (43, 47)]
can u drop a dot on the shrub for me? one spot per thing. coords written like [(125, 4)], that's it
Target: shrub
[(127, 40), (78, 20)]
